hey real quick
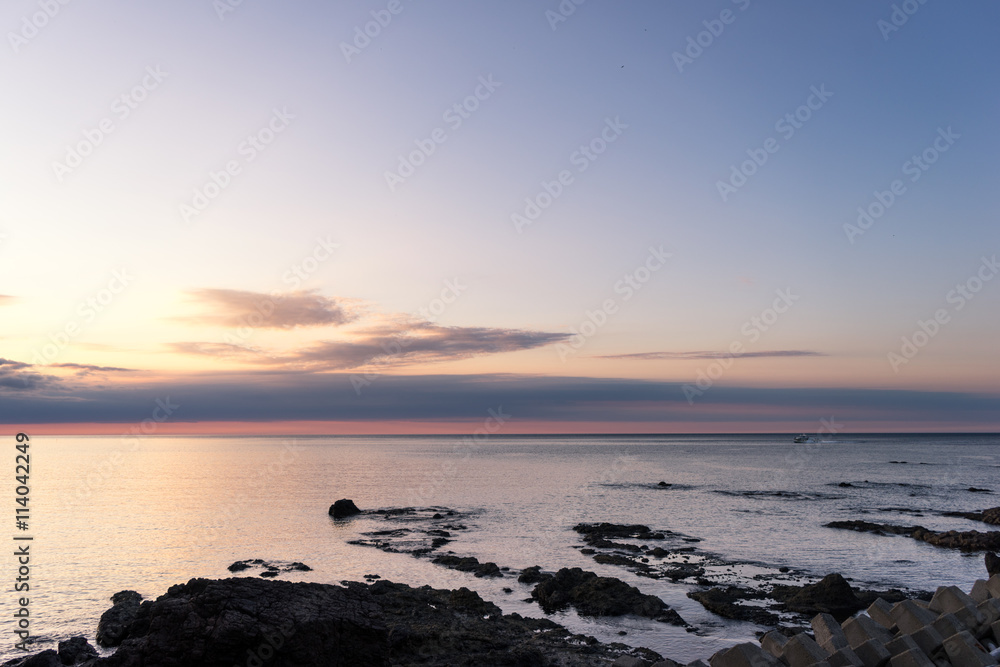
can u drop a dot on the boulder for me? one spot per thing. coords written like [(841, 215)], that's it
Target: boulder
[(992, 563), (48, 658), (592, 595), (116, 623), (75, 650), (831, 595), (343, 508)]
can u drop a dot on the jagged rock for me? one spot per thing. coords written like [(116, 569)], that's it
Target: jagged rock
[(969, 540), (75, 650), (992, 563), (592, 595), (271, 568), (247, 621), (343, 508), (532, 575), (116, 623), (725, 603), (468, 564), (831, 595), (48, 658)]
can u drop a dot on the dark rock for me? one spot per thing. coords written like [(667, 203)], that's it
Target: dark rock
[(990, 516), (343, 508), (592, 595), (973, 489), (116, 623), (831, 595), (468, 564), (970, 540), (532, 575), (76, 649), (271, 568), (726, 603), (48, 658), (992, 563), (783, 569), (664, 484), (207, 623)]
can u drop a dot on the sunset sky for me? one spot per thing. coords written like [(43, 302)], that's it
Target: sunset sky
[(638, 217)]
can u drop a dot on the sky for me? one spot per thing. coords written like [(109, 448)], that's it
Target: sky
[(399, 216)]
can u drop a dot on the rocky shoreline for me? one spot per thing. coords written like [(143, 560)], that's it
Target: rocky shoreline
[(258, 621)]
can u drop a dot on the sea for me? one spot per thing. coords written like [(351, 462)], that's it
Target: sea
[(111, 513)]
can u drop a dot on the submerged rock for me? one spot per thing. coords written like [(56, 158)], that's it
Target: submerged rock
[(726, 603), (344, 507), (990, 516), (270, 568), (468, 564), (969, 540)]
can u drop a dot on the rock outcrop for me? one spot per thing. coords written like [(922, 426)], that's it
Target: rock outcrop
[(343, 508), (116, 623), (592, 595), (968, 540), (251, 621)]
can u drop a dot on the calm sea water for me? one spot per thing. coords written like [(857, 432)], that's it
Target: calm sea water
[(110, 515)]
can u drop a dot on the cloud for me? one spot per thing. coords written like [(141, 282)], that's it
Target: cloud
[(684, 356), (238, 308), (284, 396), (87, 369), (18, 375), (217, 350), (30, 377), (5, 300), (397, 343)]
